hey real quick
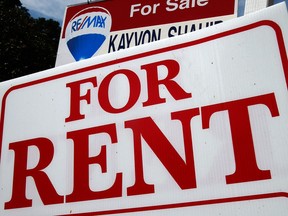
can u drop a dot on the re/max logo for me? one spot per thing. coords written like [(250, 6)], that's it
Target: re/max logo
[(89, 21)]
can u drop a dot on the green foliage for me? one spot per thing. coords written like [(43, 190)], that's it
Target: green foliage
[(27, 45)]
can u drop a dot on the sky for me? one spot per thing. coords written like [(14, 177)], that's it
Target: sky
[(55, 9)]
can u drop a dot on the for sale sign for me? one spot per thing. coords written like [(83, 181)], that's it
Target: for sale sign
[(108, 26), (196, 125)]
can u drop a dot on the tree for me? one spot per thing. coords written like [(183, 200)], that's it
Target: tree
[(27, 45)]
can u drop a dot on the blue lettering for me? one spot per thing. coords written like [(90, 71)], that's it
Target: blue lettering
[(88, 22), (96, 22), (78, 24), (103, 19), (99, 22), (74, 26)]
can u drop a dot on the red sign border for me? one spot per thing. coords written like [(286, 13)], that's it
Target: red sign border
[(284, 60), (137, 21)]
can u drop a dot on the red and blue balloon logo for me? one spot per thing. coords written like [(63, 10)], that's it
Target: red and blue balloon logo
[(87, 31)]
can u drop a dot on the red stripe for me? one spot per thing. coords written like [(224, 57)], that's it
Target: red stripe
[(186, 204), (82, 23)]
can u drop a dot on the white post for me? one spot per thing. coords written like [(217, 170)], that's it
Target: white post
[(254, 5)]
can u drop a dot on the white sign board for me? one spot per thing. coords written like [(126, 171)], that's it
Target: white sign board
[(195, 125), (255, 5), (108, 26)]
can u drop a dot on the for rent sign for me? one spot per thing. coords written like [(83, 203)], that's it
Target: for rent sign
[(108, 26), (194, 125)]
